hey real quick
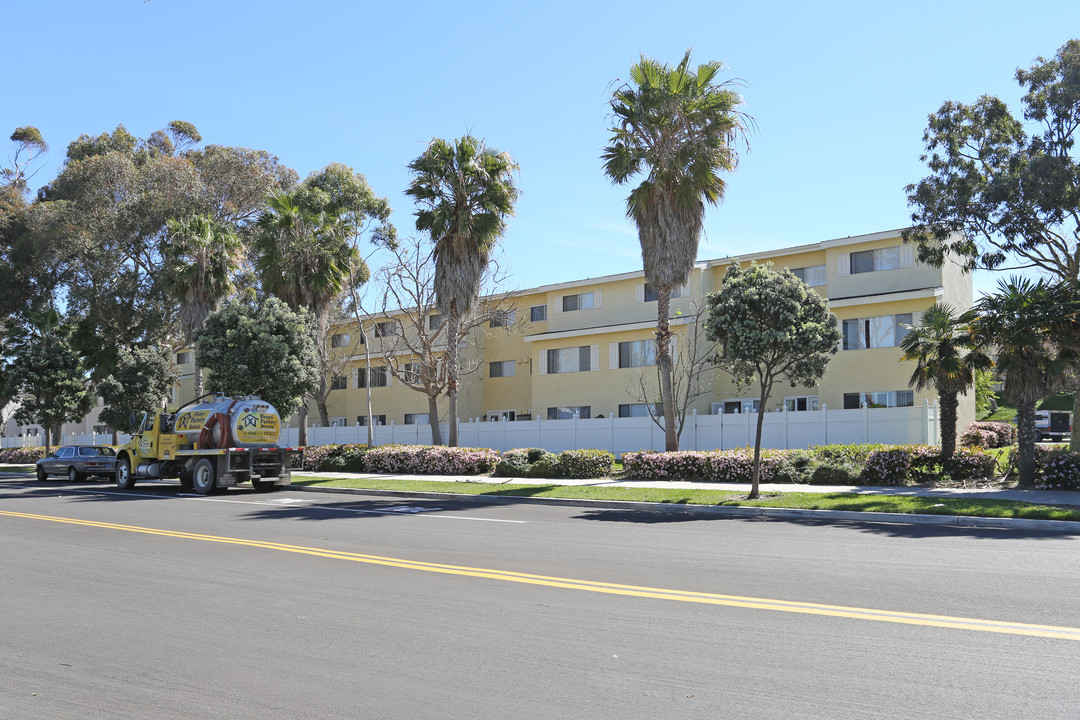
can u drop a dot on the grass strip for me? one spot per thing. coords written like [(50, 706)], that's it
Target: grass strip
[(905, 504)]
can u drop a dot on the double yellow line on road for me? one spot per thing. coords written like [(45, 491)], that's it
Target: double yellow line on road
[(942, 621)]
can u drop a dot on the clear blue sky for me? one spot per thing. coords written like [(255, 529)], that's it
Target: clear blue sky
[(840, 92)]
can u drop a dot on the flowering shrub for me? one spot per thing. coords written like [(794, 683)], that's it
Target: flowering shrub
[(345, 458), (717, 465), (975, 437), (989, 434), (846, 454), (1057, 469), (311, 457), (546, 466), (431, 460), (22, 456), (683, 465), (970, 463), (585, 463), (900, 464)]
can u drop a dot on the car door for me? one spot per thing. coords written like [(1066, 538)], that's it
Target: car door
[(63, 457)]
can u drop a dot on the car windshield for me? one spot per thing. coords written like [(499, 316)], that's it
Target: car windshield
[(92, 451)]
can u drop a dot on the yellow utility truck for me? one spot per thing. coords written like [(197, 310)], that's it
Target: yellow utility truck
[(208, 445)]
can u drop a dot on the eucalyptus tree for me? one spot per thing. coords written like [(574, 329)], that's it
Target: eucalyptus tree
[(200, 258), (464, 191), (947, 359), (1003, 190), (676, 126)]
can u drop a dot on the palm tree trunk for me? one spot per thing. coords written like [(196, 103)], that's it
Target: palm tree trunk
[(453, 323), (948, 402), (663, 359), (433, 418), (1026, 437), (1074, 440)]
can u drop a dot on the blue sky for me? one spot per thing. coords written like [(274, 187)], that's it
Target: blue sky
[(840, 92)]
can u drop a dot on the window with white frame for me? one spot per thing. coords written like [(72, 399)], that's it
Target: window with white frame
[(566, 412), (800, 403), (580, 301), (638, 409), (538, 313), (183, 358), (339, 340), (377, 374), (361, 420), (416, 418), (502, 318), (502, 368), (500, 415), (410, 373), (813, 275), (731, 407), (647, 293), (637, 353), (864, 261), (876, 332), (387, 328), (339, 382), (434, 322), (890, 398), (101, 429), (569, 360), (339, 422)]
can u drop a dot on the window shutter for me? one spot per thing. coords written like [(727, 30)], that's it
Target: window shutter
[(594, 357), (639, 293), (598, 299), (845, 264), (907, 255), (557, 305), (543, 362), (613, 356)]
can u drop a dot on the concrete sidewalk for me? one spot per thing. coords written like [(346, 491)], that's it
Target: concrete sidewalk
[(1040, 497)]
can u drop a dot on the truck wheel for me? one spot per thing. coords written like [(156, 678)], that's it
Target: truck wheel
[(186, 481), (124, 479), (264, 485), (203, 477)]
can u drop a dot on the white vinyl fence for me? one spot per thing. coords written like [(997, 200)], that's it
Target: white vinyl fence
[(897, 426)]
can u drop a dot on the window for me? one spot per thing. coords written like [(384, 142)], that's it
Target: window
[(416, 418), (897, 398), (503, 368), (569, 411), (731, 407), (339, 422), (339, 340), (103, 451), (538, 313), (410, 373), (676, 292), (875, 260), (66, 452), (638, 409), (387, 328), (339, 382), (581, 301), (361, 420), (434, 322), (813, 275), (502, 318), (101, 429), (637, 353), (876, 332), (799, 404), (568, 360), (500, 415), (378, 374), (183, 358)]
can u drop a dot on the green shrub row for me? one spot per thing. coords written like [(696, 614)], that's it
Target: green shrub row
[(539, 463)]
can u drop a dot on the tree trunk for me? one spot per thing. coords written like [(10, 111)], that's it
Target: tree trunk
[(663, 360), (302, 418), (1074, 440), (948, 402), (48, 440), (1026, 437), (762, 399), (433, 419), (367, 386), (453, 322)]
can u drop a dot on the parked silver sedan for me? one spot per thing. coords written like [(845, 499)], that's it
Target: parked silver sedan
[(78, 462)]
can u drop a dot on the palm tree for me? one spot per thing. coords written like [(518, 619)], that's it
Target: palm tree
[(1020, 324), (306, 259), (465, 191), (200, 259), (945, 359), (678, 125)]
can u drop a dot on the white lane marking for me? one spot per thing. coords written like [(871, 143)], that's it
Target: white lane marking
[(397, 510)]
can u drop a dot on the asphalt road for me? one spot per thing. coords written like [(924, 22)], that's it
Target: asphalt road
[(152, 604)]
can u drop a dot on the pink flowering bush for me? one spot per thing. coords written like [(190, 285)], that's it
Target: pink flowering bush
[(585, 463), (22, 456), (969, 463), (311, 457), (1055, 468), (974, 437), (989, 434), (902, 464), (681, 465), (431, 460)]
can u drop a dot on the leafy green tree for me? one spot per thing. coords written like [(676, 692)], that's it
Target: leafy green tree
[(464, 191), (266, 350), (200, 259), (985, 395), (1003, 193), (771, 326), (946, 359), (139, 381), (1017, 324), (677, 126), (49, 378)]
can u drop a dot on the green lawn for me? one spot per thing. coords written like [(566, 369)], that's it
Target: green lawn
[(807, 501)]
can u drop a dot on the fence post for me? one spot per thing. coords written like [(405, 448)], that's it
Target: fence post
[(825, 414), (611, 422), (866, 423), (693, 418)]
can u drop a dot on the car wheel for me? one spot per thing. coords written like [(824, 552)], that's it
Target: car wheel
[(124, 479), (202, 476), (41, 474), (74, 475)]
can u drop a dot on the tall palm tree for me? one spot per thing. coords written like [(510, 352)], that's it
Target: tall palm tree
[(200, 259), (678, 125), (305, 258), (945, 359), (465, 191), (1020, 324)]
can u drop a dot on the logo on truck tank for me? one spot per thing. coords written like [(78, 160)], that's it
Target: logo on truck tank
[(193, 420), (253, 427)]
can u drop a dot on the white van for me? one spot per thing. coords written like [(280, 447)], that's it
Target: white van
[(1053, 424)]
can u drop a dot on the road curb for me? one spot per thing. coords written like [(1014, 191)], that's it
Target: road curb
[(1061, 526)]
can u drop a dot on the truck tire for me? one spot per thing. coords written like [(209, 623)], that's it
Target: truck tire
[(186, 480), (124, 479), (203, 477), (264, 485)]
